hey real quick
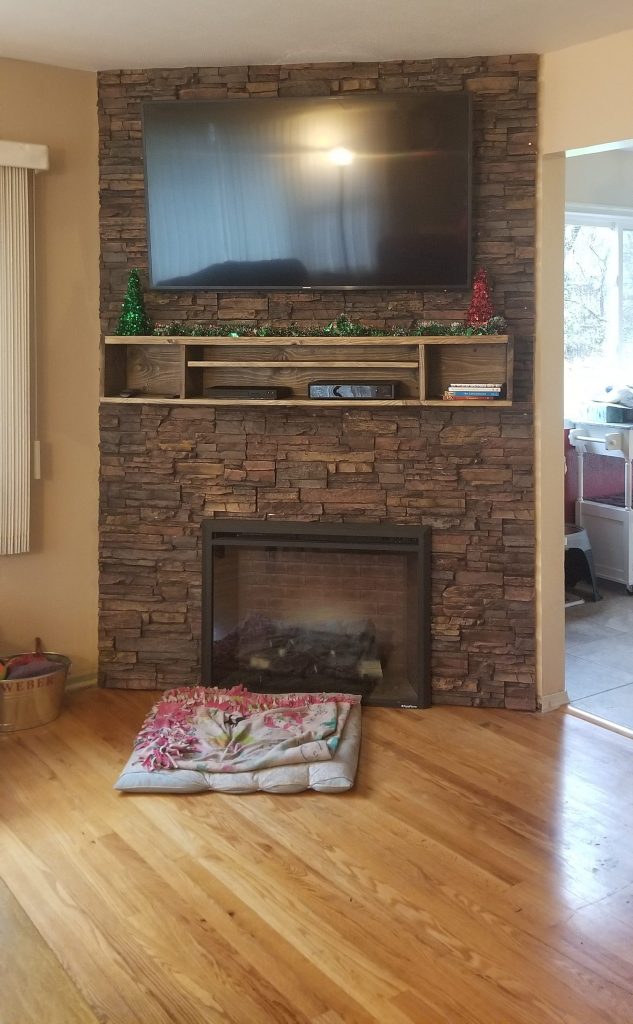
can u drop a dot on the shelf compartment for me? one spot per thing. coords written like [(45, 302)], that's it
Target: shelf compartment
[(476, 361), (151, 369), (295, 379)]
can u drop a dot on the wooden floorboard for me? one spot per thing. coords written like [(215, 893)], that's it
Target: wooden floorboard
[(33, 984), (481, 872)]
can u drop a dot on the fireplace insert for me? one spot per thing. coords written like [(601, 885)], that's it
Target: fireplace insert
[(317, 606)]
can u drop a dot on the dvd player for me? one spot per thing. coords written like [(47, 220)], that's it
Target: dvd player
[(232, 391), (355, 389)]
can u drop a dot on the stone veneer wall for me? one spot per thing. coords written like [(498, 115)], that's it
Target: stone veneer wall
[(468, 472)]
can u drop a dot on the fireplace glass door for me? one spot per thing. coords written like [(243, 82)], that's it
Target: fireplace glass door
[(317, 607)]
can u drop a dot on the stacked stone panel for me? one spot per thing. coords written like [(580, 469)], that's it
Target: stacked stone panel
[(466, 472)]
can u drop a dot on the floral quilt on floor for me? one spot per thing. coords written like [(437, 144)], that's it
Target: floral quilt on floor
[(233, 730)]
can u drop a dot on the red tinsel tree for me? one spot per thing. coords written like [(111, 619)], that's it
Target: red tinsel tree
[(480, 310)]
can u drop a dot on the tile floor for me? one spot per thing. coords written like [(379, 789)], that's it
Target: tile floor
[(599, 661)]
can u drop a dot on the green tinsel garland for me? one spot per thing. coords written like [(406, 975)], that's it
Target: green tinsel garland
[(342, 327)]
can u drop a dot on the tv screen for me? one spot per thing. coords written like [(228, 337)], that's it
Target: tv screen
[(365, 192)]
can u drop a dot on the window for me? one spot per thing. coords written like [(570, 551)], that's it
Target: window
[(18, 162), (598, 306)]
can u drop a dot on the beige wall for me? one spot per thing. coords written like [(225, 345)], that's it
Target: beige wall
[(585, 100), (52, 591), (601, 179), (586, 94)]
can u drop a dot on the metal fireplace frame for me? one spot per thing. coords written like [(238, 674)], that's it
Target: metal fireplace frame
[(384, 537)]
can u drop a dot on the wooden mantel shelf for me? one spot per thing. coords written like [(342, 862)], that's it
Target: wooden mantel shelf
[(317, 402), (177, 370)]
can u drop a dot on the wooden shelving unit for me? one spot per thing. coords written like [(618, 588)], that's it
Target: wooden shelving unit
[(177, 370)]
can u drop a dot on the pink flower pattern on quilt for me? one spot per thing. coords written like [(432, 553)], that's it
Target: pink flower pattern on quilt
[(231, 730)]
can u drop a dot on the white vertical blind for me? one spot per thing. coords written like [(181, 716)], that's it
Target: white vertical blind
[(15, 282)]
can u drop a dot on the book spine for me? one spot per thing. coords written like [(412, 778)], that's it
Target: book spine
[(450, 396), (475, 394)]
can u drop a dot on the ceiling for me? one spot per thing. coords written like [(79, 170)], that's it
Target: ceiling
[(94, 35)]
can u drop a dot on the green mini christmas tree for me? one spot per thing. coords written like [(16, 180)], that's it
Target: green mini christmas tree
[(134, 320)]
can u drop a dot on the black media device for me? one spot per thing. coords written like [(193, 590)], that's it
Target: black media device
[(376, 389), (231, 391), (368, 191)]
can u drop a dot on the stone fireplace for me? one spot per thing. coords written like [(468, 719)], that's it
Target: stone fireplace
[(466, 473)]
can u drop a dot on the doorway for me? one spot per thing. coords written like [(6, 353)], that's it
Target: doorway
[(598, 430)]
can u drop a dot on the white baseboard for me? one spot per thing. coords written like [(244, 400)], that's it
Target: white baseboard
[(601, 722), (552, 701)]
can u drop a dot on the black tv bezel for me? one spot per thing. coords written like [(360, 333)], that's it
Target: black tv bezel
[(265, 289)]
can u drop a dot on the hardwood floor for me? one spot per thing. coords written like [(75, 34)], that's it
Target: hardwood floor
[(33, 984), (481, 872)]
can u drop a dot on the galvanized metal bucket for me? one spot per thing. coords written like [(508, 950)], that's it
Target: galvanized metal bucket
[(35, 700)]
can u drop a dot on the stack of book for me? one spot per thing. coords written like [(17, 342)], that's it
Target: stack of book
[(473, 392)]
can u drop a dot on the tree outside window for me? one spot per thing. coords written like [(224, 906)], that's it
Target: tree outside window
[(598, 307)]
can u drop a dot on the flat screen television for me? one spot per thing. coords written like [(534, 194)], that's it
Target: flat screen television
[(371, 191)]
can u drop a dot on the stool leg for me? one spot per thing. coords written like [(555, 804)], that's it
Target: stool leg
[(595, 595)]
